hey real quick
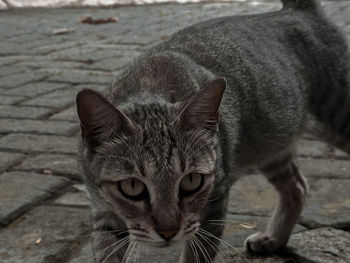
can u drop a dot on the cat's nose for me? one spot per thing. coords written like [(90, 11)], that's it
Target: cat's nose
[(167, 234)]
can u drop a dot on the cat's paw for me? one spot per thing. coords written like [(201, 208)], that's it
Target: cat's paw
[(262, 243)]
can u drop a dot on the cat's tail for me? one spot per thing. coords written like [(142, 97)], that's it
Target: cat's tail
[(312, 5)]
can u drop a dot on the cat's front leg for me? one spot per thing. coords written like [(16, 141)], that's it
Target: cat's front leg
[(204, 246), (292, 189), (110, 239)]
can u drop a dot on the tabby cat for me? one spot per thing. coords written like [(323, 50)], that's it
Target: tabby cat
[(161, 151)]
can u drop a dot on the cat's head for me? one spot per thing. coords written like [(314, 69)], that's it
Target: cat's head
[(153, 163)]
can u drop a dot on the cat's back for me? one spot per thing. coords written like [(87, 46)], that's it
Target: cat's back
[(215, 43), (271, 62)]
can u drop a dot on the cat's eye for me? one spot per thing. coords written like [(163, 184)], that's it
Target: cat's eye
[(191, 183), (132, 188)]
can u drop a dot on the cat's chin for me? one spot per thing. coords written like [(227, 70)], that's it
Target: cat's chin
[(163, 245)]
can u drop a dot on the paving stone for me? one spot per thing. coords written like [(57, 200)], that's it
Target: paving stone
[(39, 143), (60, 164), (82, 53), (239, 227), (240, 255), (76, 198), (110, 64), (147, 255), (19, 191), (172, 255), (80, 76), (328, 204), (85, 254), (38, 126), (11, 49), (8, 100), (308, 148), (49, 47), (317, 149), (7, 71), (16, 80), (56, 99), (246, 196), (44, 235), (94, 53), (323, 245), (9, 159), (143, 38), (324, 168), (104, 89), (10, 60), (51, 65), (8, 111), (34, 89), (69, 114)]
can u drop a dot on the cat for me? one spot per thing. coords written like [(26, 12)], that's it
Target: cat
[(186, 118)]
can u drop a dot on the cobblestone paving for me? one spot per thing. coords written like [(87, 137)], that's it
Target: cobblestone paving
[(44, 212)]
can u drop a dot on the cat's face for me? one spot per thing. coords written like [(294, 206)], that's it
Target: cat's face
[(158, 181), (154, 167)]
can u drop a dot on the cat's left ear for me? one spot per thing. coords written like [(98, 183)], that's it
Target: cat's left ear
[(202, 109), (99, 119)]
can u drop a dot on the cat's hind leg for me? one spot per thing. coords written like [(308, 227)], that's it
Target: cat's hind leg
[(292, 189)]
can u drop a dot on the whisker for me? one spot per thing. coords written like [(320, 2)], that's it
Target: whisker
[(131, 251), (138, 253), (111, 231), (233, 221), (104, 240), (203, 250), (241, 225), (217, 248), (136, 248), (122, 243), (109, 237), (195, 253), (126, 252), (222, 241), (94, 256)]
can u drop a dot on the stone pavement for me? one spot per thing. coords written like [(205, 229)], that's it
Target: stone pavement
[(46, 57)]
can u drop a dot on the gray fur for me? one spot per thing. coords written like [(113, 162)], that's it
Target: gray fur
[(282, 69)]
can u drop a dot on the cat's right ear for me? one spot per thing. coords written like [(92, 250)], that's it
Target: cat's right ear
[(202, 109), (99, 119)]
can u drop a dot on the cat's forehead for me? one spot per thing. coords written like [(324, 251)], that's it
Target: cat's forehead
[(151, 113), (162, 167), (160, 151)]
